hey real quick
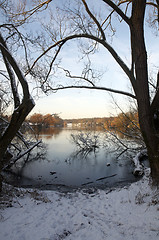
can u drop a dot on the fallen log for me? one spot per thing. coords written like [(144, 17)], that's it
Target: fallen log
[(102, 178), (84, 184)]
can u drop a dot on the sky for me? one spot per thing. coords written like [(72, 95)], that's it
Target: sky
[(88, 103), (94, 103), (80, 103)]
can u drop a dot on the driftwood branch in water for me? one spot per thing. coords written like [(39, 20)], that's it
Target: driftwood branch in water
[(106, 177), (84, 184), (15, 159), (102, 178)]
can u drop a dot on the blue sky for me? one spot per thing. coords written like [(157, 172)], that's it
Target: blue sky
[(79, 103), (93, 103), (86, 103)]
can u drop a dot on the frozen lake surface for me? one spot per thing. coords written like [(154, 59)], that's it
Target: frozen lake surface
[(64, 167)]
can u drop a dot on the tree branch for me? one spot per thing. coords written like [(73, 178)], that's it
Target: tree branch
[(94, 19), (155, 102), (17, 70), (119, 11), (92, 88), (15, 159), (11, 76), (53, 60), (68, 74), (29, 13), (152, 4), (121, 64), (101, 41), (8, 26)]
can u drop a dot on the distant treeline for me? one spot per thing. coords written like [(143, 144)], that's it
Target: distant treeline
[(46, 120), (123, 122)]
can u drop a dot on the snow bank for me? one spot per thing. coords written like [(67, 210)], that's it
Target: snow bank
[(128, 213), (140, 169)]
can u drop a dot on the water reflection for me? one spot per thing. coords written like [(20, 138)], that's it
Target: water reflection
[(47, 133), (63, 165)]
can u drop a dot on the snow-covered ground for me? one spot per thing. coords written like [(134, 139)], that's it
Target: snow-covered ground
[(128, 213)]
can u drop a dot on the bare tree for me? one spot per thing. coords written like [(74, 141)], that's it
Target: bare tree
[(21, 108), (86, 142), (77, 21), (12, 73)]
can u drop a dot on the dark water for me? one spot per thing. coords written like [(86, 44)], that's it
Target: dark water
[(63, 167)]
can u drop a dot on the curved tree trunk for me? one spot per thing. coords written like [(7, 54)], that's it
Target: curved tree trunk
[(16, 122), (139, 66), (21, 109)]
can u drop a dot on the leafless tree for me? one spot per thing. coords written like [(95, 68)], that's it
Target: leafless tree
[(77, 20), (10, 41), (86, 142)]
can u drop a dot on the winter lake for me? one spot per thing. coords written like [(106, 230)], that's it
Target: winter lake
[(62, 165)]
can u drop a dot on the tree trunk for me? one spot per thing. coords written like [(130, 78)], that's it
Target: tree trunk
[(139, 65), (21, 109), (16, 122)]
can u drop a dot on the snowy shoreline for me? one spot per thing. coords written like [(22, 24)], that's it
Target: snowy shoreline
[(130, 212)]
